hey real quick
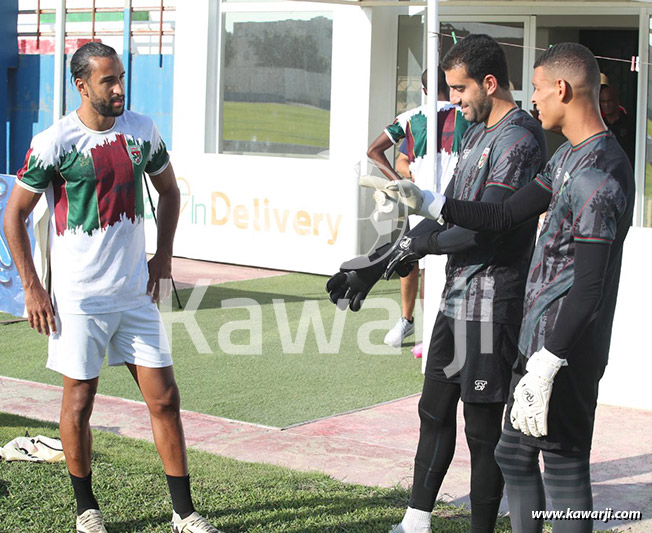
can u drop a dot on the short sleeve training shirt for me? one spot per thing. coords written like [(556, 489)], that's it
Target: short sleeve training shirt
[(488, 284), (412, 126), (93, 184), (592, 188)]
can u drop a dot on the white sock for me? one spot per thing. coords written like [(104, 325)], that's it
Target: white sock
[(416, 521)]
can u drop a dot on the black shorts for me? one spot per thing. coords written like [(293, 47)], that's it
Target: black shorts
[(477, 355), (571, 414)]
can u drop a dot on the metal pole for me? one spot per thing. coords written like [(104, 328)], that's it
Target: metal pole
[(432, 62), (38, 24), (126, 51), (151, 203), (59, 59), (93, 21), (160, 38)]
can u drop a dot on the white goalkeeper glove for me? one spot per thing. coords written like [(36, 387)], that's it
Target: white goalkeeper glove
[(404, 192), (532, 394)]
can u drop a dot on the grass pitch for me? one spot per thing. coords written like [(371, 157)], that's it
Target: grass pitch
[(130, 486), (275, 388)]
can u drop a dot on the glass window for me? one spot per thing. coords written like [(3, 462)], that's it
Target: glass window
[(276, 83), (510, 34), (410, 62)]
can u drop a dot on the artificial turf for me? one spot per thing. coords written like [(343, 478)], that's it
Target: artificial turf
[(278, 123), (130, 485), (275, 387)]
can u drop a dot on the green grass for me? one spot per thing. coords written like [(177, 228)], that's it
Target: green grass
[(274, 388), (278, 123), (130, 486)]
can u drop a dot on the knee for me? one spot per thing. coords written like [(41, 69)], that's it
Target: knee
[(427, 416), (502, 455), (167, 402), (78, 403)]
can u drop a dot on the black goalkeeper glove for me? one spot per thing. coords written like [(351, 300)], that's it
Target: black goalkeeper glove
[(405, 253), (356, 277)]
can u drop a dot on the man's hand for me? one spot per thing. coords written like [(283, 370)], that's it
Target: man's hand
[(418, 202), (407, 194), (405, 253), (356, 278), (532, 394), (160, 269), (39, 310)]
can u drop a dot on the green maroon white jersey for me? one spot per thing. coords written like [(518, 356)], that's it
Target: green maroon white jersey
[(412, 125), (93, 182)]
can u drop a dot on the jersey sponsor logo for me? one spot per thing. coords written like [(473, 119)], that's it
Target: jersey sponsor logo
[(483, 157), (480, 384), (135, 155)]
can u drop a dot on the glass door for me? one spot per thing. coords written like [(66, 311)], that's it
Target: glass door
[(513, 33), (643, 214)]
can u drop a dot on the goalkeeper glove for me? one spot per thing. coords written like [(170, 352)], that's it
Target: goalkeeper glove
[(425, 203), (405, 252), (532, 394), (356, 278)]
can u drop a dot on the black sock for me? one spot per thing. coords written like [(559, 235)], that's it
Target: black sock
[(84, 493), (180, 493)]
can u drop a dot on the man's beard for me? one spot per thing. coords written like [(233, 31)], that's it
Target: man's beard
[(481, 109), (105, 107)]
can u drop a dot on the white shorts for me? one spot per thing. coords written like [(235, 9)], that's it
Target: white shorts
[(135, 336)]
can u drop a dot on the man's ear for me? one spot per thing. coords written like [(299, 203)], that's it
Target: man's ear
[(490, 84), (82, 86), (564, 90)]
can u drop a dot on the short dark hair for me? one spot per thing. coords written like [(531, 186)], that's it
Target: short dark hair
[(442, 86), (480, 55), (572, 57), (80, 63)]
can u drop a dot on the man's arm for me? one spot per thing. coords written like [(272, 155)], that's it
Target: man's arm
[(583, 299), (524, 204), (403, 166), (376, 153), (37, 301), (160, 266)]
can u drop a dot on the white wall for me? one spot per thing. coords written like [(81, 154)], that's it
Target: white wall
[(627, 379), (278, 212)]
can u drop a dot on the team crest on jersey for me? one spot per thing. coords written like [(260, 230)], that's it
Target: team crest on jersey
[(483, 157), (135, 155), (466, 153)]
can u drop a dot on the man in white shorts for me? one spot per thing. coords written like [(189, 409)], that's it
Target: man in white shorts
[(90, 165)]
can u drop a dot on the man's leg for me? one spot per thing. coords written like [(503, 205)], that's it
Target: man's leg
[(76, 438), (161, 395), (519, 464), (483, 429), (438, 415), (568, 480), (405, 325), (409, 290)]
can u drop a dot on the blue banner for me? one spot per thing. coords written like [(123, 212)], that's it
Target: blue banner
[(12, 297)]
